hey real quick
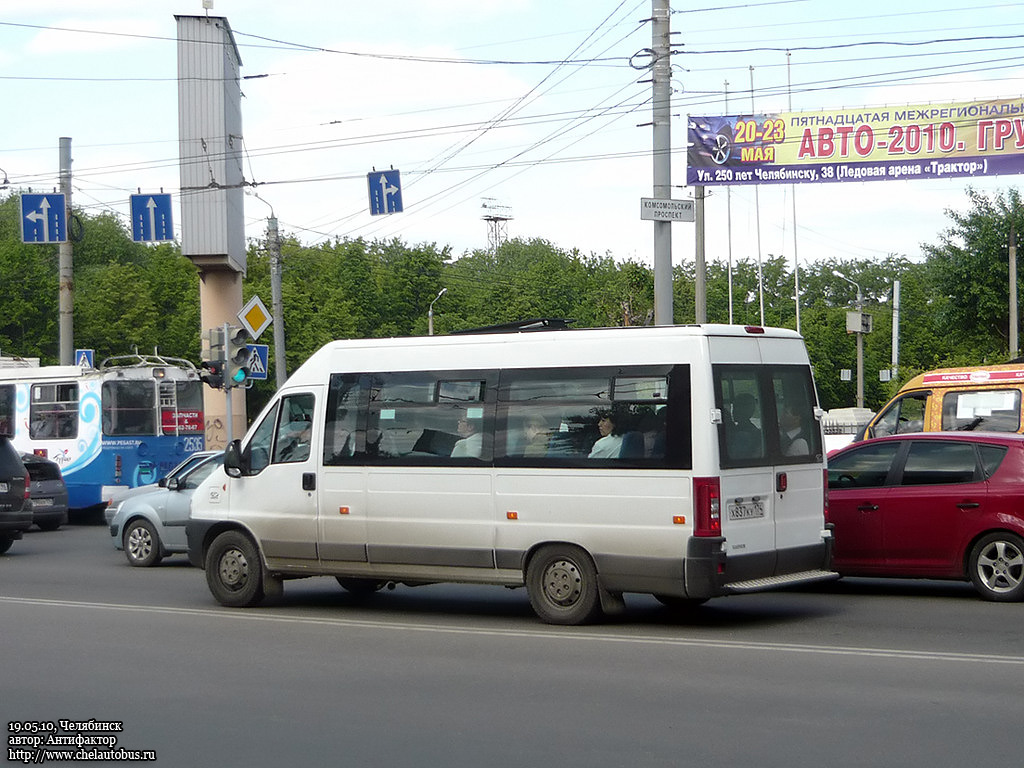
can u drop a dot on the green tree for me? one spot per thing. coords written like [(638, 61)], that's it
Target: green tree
[(971, 268)]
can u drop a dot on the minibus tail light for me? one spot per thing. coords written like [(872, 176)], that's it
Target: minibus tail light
[(707, 506), (753, 329), (824, 494)]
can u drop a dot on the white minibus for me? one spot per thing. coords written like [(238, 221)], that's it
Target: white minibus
[(684, 462)]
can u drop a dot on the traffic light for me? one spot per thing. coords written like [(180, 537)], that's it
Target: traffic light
[(237, 357), (212, 372)]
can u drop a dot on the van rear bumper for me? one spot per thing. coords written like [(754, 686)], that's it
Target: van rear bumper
[(710, 572)]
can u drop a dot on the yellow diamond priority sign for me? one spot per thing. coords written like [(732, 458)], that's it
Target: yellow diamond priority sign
[(254, 317)]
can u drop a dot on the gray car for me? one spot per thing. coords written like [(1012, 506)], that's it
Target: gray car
[(15, 507), (124, 494), (48, 491), (150, 524)]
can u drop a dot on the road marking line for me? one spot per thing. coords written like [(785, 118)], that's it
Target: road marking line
[(262, 615)]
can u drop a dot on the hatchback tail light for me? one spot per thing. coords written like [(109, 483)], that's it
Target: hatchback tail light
[(27, 481), (707, 506)]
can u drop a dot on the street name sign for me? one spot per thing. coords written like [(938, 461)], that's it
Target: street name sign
[(654, 209)]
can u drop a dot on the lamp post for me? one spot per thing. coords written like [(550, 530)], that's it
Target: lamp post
[(430, 312), (860, 339)]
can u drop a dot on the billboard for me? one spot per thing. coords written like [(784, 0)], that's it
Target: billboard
[(930, 141)]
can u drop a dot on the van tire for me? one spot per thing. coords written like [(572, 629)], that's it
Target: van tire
[(996, 567), (563, 586), (234, 572), (5, 543)]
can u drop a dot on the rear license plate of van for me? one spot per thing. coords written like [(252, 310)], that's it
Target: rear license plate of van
[(5, 488), (746, 510)]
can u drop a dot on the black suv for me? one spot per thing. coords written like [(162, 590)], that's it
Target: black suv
[(15, 507)]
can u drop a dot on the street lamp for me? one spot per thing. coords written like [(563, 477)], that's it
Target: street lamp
[(430, 312), (860, 339)]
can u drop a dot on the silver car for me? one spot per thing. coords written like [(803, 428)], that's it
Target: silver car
[(150, 524), (125, 493)]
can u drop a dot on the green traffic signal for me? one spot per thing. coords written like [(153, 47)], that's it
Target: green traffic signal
[(238, 355)]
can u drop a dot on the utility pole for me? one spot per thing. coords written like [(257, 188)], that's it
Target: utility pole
[(700, 296), (661, 74), (895, 326), (1013, 291), (277, 307), (65, 268)]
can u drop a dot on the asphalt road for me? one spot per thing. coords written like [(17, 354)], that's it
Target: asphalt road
[(856, 673)]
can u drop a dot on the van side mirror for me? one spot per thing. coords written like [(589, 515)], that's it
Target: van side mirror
[(234, 463), (171, 485)]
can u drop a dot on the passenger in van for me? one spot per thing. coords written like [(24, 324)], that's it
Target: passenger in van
[(794, 438), (743, 437), (609, 445), (536, 437), (472, 442), (297, 446)]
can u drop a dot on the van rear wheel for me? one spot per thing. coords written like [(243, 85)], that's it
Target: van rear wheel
[(562, 583), (233, 570)]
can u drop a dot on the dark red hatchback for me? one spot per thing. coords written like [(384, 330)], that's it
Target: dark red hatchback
[(937, 505)]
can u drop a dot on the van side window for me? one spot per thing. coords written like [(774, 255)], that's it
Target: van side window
[(992, 410), (343, 439), (294, 429), (593, 416), (904, 415), (262, 441), (428, 418)]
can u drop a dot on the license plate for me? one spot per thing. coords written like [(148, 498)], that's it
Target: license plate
[(5, 487), (42, 502), (746, 510)]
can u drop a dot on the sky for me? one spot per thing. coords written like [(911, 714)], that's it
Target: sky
[(534, 109)]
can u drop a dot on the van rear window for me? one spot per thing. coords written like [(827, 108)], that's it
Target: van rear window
[(768, 415)]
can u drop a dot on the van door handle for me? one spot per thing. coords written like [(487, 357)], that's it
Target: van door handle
[(867, 507), (968, 505), (309, 481)]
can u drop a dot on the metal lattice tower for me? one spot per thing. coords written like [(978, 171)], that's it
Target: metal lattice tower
[(497, 217)]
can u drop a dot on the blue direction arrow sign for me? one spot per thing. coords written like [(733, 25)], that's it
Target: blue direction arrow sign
[(151, 218), (259, 360), (385, 192), (44, 219)]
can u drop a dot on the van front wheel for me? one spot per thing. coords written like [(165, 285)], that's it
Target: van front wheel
[(233, 570), (562, 583)]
